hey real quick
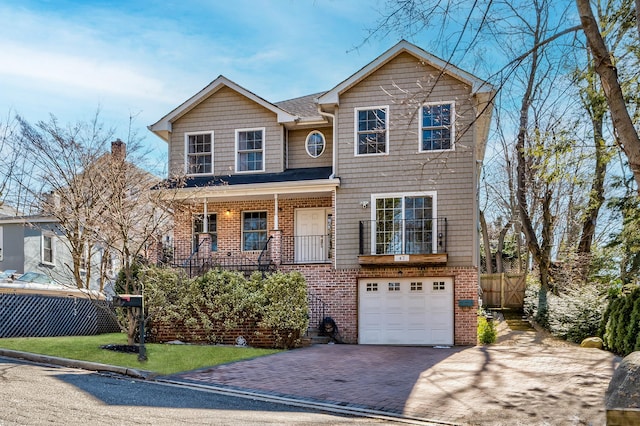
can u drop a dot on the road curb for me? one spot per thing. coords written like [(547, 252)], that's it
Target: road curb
[(73, 363)]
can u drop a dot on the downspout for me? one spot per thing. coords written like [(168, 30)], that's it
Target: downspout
[(334, 225), (333, 127)]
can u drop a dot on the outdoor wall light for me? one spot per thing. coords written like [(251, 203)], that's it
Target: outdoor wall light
[(228, 212), (364, 204)]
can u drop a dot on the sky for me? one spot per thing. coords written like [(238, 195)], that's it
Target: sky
[(141, 59)]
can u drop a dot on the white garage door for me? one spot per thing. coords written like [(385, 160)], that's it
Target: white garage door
[(407, 311)]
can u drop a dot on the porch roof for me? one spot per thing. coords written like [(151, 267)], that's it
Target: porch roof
[(292, 182), (290, 175)]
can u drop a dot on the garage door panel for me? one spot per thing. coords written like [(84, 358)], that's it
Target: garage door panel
[(415, 311)]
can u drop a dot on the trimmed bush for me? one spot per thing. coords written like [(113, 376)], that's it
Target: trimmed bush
[(486, 331), (208, 308)]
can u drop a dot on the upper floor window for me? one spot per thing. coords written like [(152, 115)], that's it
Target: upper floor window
[(372, 130), (436, 127), (254, 230), (48, 249), (250, 150), (199, 153), (205, 227), (315, 144)]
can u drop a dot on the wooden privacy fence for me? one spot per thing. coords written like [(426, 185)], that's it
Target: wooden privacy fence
[(32, 315), (502, 290)]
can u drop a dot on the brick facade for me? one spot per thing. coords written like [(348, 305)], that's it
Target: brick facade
[(338, 288)]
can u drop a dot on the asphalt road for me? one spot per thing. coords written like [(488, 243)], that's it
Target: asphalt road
[(32, 394)]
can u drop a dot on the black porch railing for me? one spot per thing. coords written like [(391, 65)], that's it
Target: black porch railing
[(306, 248), (317, 311), (200, 260), (399, 236)]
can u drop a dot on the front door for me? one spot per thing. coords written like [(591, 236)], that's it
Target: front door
[(311, 237)]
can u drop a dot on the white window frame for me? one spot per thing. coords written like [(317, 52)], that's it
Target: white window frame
[(51, 236), (205, 229), (242, 231), (324, 143), (356, 139), (1, 244), (403, 195), (452, 127), (263, 150), (187, 154)]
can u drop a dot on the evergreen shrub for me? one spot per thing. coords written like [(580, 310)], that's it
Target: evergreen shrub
[(221, 300), (620, 327), (486, 331)]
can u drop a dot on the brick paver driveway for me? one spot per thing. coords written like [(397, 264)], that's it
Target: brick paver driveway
[(520, 381)]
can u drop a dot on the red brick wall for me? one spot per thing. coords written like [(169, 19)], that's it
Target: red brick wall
[(339, 289), (255, 337)]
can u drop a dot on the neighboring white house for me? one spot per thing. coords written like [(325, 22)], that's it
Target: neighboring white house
[(34, 243)]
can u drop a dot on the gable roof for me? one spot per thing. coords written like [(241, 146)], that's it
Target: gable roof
[(332, 97), (163, 126)]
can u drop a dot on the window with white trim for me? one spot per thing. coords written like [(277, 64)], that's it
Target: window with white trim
[(436, 126), (254, 230), (404, 223), (371, 130), (205, 230), (250, 150), (199, 153), (48, 249), (315, 144)]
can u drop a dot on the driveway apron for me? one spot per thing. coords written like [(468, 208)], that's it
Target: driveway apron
[(518, 382)]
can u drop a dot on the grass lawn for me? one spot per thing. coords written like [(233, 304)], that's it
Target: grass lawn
[(161, 358)]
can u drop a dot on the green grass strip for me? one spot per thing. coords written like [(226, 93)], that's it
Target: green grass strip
[(161, 358)]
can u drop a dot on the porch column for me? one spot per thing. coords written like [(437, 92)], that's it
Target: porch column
[(276, 225), (275, 246)]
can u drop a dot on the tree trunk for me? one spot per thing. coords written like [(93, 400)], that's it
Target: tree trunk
[(488, 257), (626, 135)]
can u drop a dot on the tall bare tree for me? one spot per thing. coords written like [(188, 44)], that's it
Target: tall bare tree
[(604, 64)]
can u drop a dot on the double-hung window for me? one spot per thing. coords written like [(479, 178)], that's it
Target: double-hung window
[(436, 126), (48, 249), (250, 150), (372, 130), (199, 153), (254, 230), (205, 229), (404, 223)]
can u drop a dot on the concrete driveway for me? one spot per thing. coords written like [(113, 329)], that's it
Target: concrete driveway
[(526, 378)]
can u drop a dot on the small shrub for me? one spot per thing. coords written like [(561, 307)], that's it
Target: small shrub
[(486, 331), (574, 313)]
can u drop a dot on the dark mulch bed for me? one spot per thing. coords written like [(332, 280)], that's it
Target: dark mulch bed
[(130, 349)]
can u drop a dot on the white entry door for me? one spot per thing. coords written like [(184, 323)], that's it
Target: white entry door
[(405, 311), (311, 240)]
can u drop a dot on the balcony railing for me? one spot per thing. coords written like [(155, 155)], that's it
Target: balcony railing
[(306, 248), (201, 259), (403, 237)]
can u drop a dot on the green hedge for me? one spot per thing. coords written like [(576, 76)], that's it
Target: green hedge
[(223, 300), (620, 327)]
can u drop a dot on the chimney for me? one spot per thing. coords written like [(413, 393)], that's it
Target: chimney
[(118, 149)]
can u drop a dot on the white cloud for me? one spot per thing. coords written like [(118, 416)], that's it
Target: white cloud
[(79, 73)]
